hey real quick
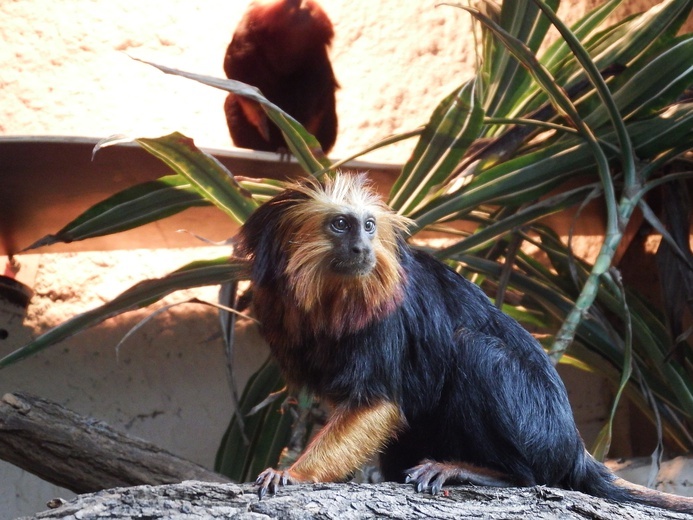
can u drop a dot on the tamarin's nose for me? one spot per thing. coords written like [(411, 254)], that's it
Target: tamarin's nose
[(360, 244)]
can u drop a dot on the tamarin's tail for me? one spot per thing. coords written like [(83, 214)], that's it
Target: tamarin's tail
[(593, 478)]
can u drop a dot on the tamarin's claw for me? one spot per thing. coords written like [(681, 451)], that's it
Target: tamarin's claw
[(270, 480), (422, 475)]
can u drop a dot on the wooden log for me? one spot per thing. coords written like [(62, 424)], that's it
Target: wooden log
[(81, 453), (345, 501)]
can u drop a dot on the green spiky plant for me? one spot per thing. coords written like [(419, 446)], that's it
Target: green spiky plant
[(601, 114)]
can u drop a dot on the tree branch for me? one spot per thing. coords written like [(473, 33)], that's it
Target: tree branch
[(350, 501), (83, 454)]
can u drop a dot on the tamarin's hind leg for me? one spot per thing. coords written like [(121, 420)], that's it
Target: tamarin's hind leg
[(431, 475)]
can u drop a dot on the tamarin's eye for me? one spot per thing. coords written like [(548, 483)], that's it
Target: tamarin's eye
[(339, 224), (369, 225)]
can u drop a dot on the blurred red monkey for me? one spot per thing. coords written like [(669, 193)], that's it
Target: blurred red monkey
[(280, 47)]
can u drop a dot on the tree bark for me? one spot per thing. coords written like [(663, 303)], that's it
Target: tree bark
[(83, 454), (192, 500)]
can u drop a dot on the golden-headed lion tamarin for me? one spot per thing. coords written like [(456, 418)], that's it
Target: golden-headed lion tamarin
[(281, 47), (417, 362)]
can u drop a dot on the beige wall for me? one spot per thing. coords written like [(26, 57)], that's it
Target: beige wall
[(65, 71)]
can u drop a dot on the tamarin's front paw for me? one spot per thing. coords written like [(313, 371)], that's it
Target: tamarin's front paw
[(271, 479)]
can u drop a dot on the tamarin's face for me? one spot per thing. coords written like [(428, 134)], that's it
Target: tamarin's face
[(339, 238), (352, 237)]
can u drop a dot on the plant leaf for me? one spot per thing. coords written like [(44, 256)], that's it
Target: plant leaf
[(671, 129), (239, 448), (302, 144), (209, 177), (128, 209), (142, 294), (513, 182), (454, 125), (659, 83), (504, 80), (603, 442), (644, 32), (524, 217), (509, 81), (556, 54)]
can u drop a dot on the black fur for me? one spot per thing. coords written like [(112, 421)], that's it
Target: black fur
[(473, 385)]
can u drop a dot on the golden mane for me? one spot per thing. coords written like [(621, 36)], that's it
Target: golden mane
[(330, 299)]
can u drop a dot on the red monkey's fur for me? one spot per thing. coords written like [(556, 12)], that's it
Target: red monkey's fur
[(280, 47)]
